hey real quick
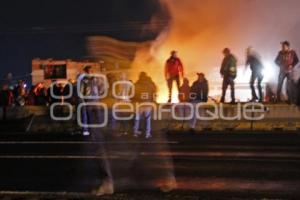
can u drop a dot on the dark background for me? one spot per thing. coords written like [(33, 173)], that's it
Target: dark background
[(58, 28)]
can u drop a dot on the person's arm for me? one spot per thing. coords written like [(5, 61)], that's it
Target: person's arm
[(278, 59), (222, 70), (296, 59), (181, 69), (205, 92), (166, 70)]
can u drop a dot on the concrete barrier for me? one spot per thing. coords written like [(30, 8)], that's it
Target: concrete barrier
[(277, 117)]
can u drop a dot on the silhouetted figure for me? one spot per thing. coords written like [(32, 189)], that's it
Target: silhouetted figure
[(184, 91), (92, 88), (6, 100), (256, 66), (40, 95), (228, 72), (287, 59), (173, 72), (145, 91), (198, 94), (20, 93)]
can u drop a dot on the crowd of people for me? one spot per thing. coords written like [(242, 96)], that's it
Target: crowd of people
[(287, 59), (89, 88)]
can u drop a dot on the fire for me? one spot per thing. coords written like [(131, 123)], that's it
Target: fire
[(200, 30)]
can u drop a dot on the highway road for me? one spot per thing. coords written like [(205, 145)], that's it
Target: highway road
[(210, 165)]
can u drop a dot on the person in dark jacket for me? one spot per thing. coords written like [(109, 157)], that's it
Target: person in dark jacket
[(173, 72), (145, 92), (198, 94), (254, 61), (6, 99), (228, 72), (286, 59)]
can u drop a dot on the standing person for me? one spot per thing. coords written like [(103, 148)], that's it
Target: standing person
[(6, 99), (91, 88), (228, 72), (123, 92), (173, 72), (286, 59), (145, 91), (199, 94), (40, 95), (20, 93), (256, 66)]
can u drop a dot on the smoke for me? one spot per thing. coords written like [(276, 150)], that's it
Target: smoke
[(200, 29)]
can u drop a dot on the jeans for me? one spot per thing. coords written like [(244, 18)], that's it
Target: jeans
[(170, 85), (228, 81), (282, 75), (146, 112), (259, 77)]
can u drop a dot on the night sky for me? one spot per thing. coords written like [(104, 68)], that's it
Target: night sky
[(57, 28)]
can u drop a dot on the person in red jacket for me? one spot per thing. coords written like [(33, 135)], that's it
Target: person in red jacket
[(173, 72)]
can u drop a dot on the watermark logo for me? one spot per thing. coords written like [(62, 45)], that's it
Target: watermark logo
[(92, 113)]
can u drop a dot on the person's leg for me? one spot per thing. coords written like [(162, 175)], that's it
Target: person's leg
[(96, 118), (231, 82), (193, 122), (136, 126), (148, 118), (252, 81), (84, 120), (170, 86), (177, 83), (281, 78), (289, 88), (224, 88), (259, 87)]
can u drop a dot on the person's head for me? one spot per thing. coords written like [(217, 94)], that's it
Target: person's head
[(123, 76), (249, 51), (226, 51), (87, 69), (285, 46), (201, 77), (186, 81), (21, 83), (174, 54), (143, 76)]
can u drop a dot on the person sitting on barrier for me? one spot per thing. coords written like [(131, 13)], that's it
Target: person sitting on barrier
[(145, 90), (198, 94), (184, 96)]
